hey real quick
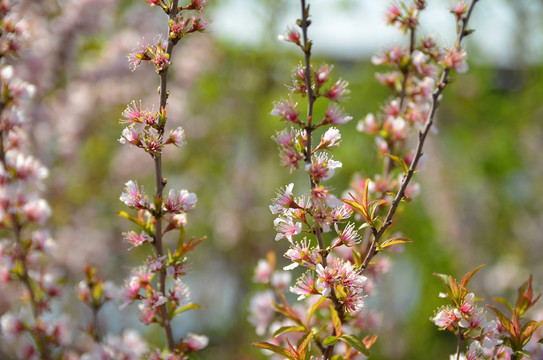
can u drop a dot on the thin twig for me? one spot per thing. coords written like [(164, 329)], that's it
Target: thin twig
[(160, 182), (441, 85)]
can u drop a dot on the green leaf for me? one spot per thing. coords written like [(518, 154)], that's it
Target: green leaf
[(468, 276), (302, 348), (135, 220), (529, 328), (357, 257), (330, 340), (400, 162), (286, 329), (506, 323), (394, 241), (314, 308), (276, 349), (358, 207), (186, 308), (373, 206), (180, 242), (336, 321), (287, 311), (356, 343)]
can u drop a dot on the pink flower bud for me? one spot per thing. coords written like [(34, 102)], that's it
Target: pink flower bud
[(196, 342), (292, 36), (455, 59)]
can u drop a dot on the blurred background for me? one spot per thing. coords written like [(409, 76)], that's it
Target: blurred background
[(482, 180)]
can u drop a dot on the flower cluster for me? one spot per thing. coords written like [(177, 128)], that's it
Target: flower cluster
[(332, 288), (157, 285), (499, 338), (336, 271), (25, 254), (185, 20)]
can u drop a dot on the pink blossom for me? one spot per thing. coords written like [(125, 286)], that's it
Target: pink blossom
[(155, 300), (83, 291), (382, 145), (338, 91), (459, 9), (491, 336), (147, 314), (155, 264), (455, 59), (176, 270), (393, 14), (476, 319), (131, 135), (11, 326), (305, 286), (180, 293), (263, 272), (260, 311), (136, 57), (284, 200), (327, 278), (392, 56), (301, 254), (286, 109), (298, 80), (322, 167), (330, 138), (368, 125), (135, 239), (468, 305), (341, 213), (132, 113), (321, 75), (335, 115), (292, 36), (198, 24), (197, 4), (388, 79), (399, 128), (290, 147), (180, 201), (37, 211), (349, 236), (159, 57), (446, 317), (196, 342), (177, 137), (286, 228), (134, 196)]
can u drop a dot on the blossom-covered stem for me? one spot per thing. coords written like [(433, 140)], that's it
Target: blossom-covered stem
[(310, 94), (25, 278), (441, 85), (160, 182), (389, 163), (405, 71)]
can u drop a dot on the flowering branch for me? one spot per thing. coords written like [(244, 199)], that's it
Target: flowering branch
[(453, 60), (146, 130), (23, 212)]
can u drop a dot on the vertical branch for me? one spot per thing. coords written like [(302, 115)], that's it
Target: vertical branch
[(306, 46), (16, 227), (160, 182)]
